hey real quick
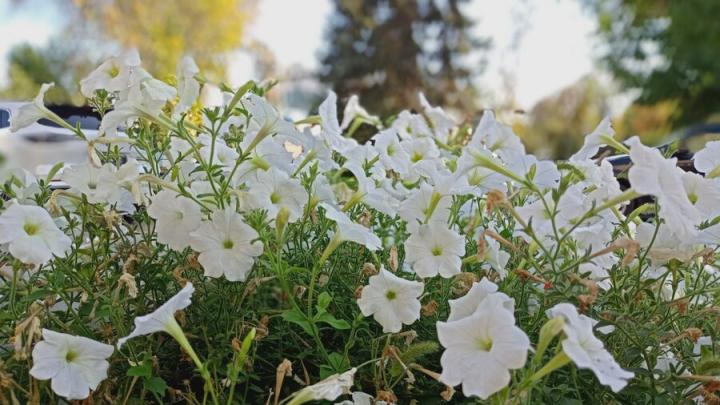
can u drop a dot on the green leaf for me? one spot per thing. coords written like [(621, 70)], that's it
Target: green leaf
[(298, 317), (143, 369), (324, 300), (329, 319), (155, 384)]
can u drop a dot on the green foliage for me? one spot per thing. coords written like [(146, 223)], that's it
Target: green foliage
[(667, 50)]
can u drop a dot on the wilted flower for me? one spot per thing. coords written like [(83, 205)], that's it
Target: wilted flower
[(393, 301), (75, 364)]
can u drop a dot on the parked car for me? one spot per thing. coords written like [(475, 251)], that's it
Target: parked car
[(39, 146)]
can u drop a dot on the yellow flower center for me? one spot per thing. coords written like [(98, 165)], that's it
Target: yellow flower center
[(274, 198), (437, 251), (70, 356), (31, 229), (484, 344), (228, 244), (390, 295)]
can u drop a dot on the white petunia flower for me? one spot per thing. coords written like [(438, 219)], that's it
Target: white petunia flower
[(353, 110), (392, 155), (274, 190), (393, 301), (176, 217), (703, 193), (112, 75), (434, 249), (361, 398), (188, 87), (593, 141), (495, 258), (469, 303), (481, 349), (586, 350), (163, 318), (328, 389), (75, 364), (440, 122), (424, 205), (707, 160), (99, 185), (348, 231), (652, 174), (495, 137), (31, 235), (28, 113), (331, 131), (227, 245)]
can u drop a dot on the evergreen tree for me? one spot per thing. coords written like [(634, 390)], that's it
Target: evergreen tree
[(386, 51)]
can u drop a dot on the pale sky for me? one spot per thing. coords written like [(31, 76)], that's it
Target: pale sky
[(554, 49)]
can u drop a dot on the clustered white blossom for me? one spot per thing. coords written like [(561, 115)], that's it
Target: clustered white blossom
[(214, 198)]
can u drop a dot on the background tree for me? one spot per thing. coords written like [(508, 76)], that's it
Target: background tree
[(386, 51), (667, 49), (163, 31), (556, 125), (59, 62)]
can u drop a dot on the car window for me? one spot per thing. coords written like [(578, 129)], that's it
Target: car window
[(4, 118), (84, 116)]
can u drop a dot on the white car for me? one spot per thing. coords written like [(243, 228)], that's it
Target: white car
[(43, 144)]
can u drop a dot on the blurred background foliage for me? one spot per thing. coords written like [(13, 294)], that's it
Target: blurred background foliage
[(660, 55)]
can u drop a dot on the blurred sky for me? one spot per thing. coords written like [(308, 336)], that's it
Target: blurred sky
[(543, 45)]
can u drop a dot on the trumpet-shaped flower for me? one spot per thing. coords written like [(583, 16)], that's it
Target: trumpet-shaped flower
[(28, 113), (435, 249), (348, 231), (652, 174), (328, 389), (481, 349), (707, 160), (188, 87), (469, 303), (227, 245), (353, 110), (274, 190), (331, 131), (176, 217), (74, 364), (31, 235), (495, 137), (586, 350), (424, 205), (163, 318), (393, 301), (112, 75), (99, 185), (593, 141)]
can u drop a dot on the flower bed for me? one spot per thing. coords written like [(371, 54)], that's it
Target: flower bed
[(227, 255)]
